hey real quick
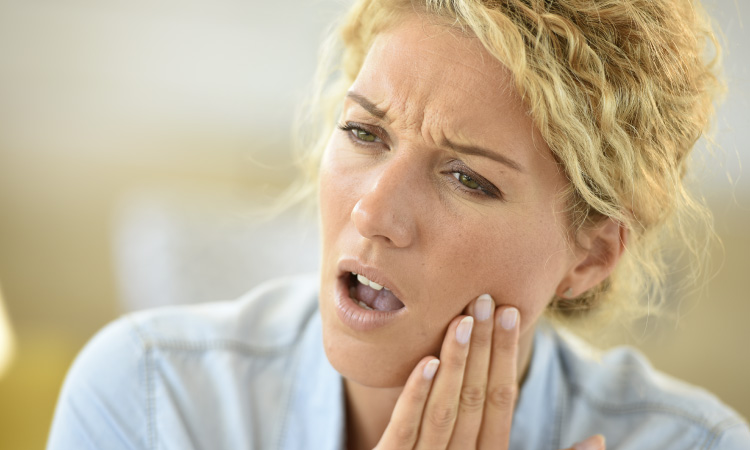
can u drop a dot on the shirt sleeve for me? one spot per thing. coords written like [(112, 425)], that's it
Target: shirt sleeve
[(736, 437), (104, 402)]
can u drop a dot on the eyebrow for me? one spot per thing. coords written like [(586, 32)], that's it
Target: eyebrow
[(458, 148), (366, 104), (479, 151)]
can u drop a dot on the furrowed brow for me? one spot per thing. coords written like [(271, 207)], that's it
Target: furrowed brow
[(479, 151), (370, 107), (366, 104)]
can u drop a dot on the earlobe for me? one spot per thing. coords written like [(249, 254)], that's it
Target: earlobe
[(598, 251)]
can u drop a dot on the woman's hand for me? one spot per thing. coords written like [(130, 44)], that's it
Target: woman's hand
[(468, 403)]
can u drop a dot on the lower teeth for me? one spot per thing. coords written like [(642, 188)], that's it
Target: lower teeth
[(362, 304)]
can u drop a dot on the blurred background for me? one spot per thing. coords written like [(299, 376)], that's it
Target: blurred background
[(138, 140)]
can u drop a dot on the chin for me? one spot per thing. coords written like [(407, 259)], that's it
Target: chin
[(368, 364), (382, 360)]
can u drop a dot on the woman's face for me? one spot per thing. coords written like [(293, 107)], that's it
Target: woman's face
[(439, 188)]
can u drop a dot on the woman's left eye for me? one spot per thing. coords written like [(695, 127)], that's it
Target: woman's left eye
[(476, 185)]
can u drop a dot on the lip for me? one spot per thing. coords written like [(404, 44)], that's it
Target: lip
[(353, 315)]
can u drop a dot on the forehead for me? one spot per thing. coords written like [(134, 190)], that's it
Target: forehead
[(441, 84), (422, 64)]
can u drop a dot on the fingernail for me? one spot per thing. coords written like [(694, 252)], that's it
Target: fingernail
[(430, 369), (463, 330), (595, 442), (483, 307), (509, 318)]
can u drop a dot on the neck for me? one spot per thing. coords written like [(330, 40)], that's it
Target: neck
[(369, 409)]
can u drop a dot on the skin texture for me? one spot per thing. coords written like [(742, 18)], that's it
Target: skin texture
[(389, 197)]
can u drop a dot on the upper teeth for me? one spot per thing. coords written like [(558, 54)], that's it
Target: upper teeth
[(363, 279)]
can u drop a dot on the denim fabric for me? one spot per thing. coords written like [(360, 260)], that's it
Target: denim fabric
[(252, 374)]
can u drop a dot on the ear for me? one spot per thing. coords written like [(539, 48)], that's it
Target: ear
[(598, 250)]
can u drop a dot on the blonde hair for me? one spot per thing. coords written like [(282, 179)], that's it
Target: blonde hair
[(620, 90)]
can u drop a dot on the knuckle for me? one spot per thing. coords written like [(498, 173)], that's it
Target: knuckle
[(503, 346), (508, 346), (414, 397), (455, 360), (502, 397), (404, 433), (472, 397), (443, 416), (480, 339)]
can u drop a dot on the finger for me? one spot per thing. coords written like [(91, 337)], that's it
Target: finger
[(502, 385), (442, 405), (595, 442), (403, 429), (471, 405)]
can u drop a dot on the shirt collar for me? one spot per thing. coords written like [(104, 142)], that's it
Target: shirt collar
[(316, 406), (315, 413), (538, 413)]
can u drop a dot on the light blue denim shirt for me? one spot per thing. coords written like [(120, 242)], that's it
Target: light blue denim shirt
[(252, 374)]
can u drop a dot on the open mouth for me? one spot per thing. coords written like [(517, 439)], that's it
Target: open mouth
[(370, 295)]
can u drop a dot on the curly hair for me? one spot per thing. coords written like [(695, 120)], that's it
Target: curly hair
[(620, 90)]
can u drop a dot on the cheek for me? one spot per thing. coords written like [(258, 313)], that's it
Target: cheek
[(535, 271), (336, 197), (517, 262)]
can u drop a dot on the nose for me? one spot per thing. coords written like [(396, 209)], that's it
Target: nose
[(385, 211)]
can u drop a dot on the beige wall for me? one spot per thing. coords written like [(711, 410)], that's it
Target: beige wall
[(102, 97)]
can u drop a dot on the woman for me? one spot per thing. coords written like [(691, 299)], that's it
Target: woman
[(494, 162)]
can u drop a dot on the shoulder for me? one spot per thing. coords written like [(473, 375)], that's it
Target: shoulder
[(151, 376), (638, 406), (268, 319), (113, 358)]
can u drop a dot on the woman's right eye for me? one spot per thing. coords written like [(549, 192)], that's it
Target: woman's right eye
[(363, 135), (359, 134)]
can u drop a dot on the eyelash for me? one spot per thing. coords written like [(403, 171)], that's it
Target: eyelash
[(485, 189), (349, 127)]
